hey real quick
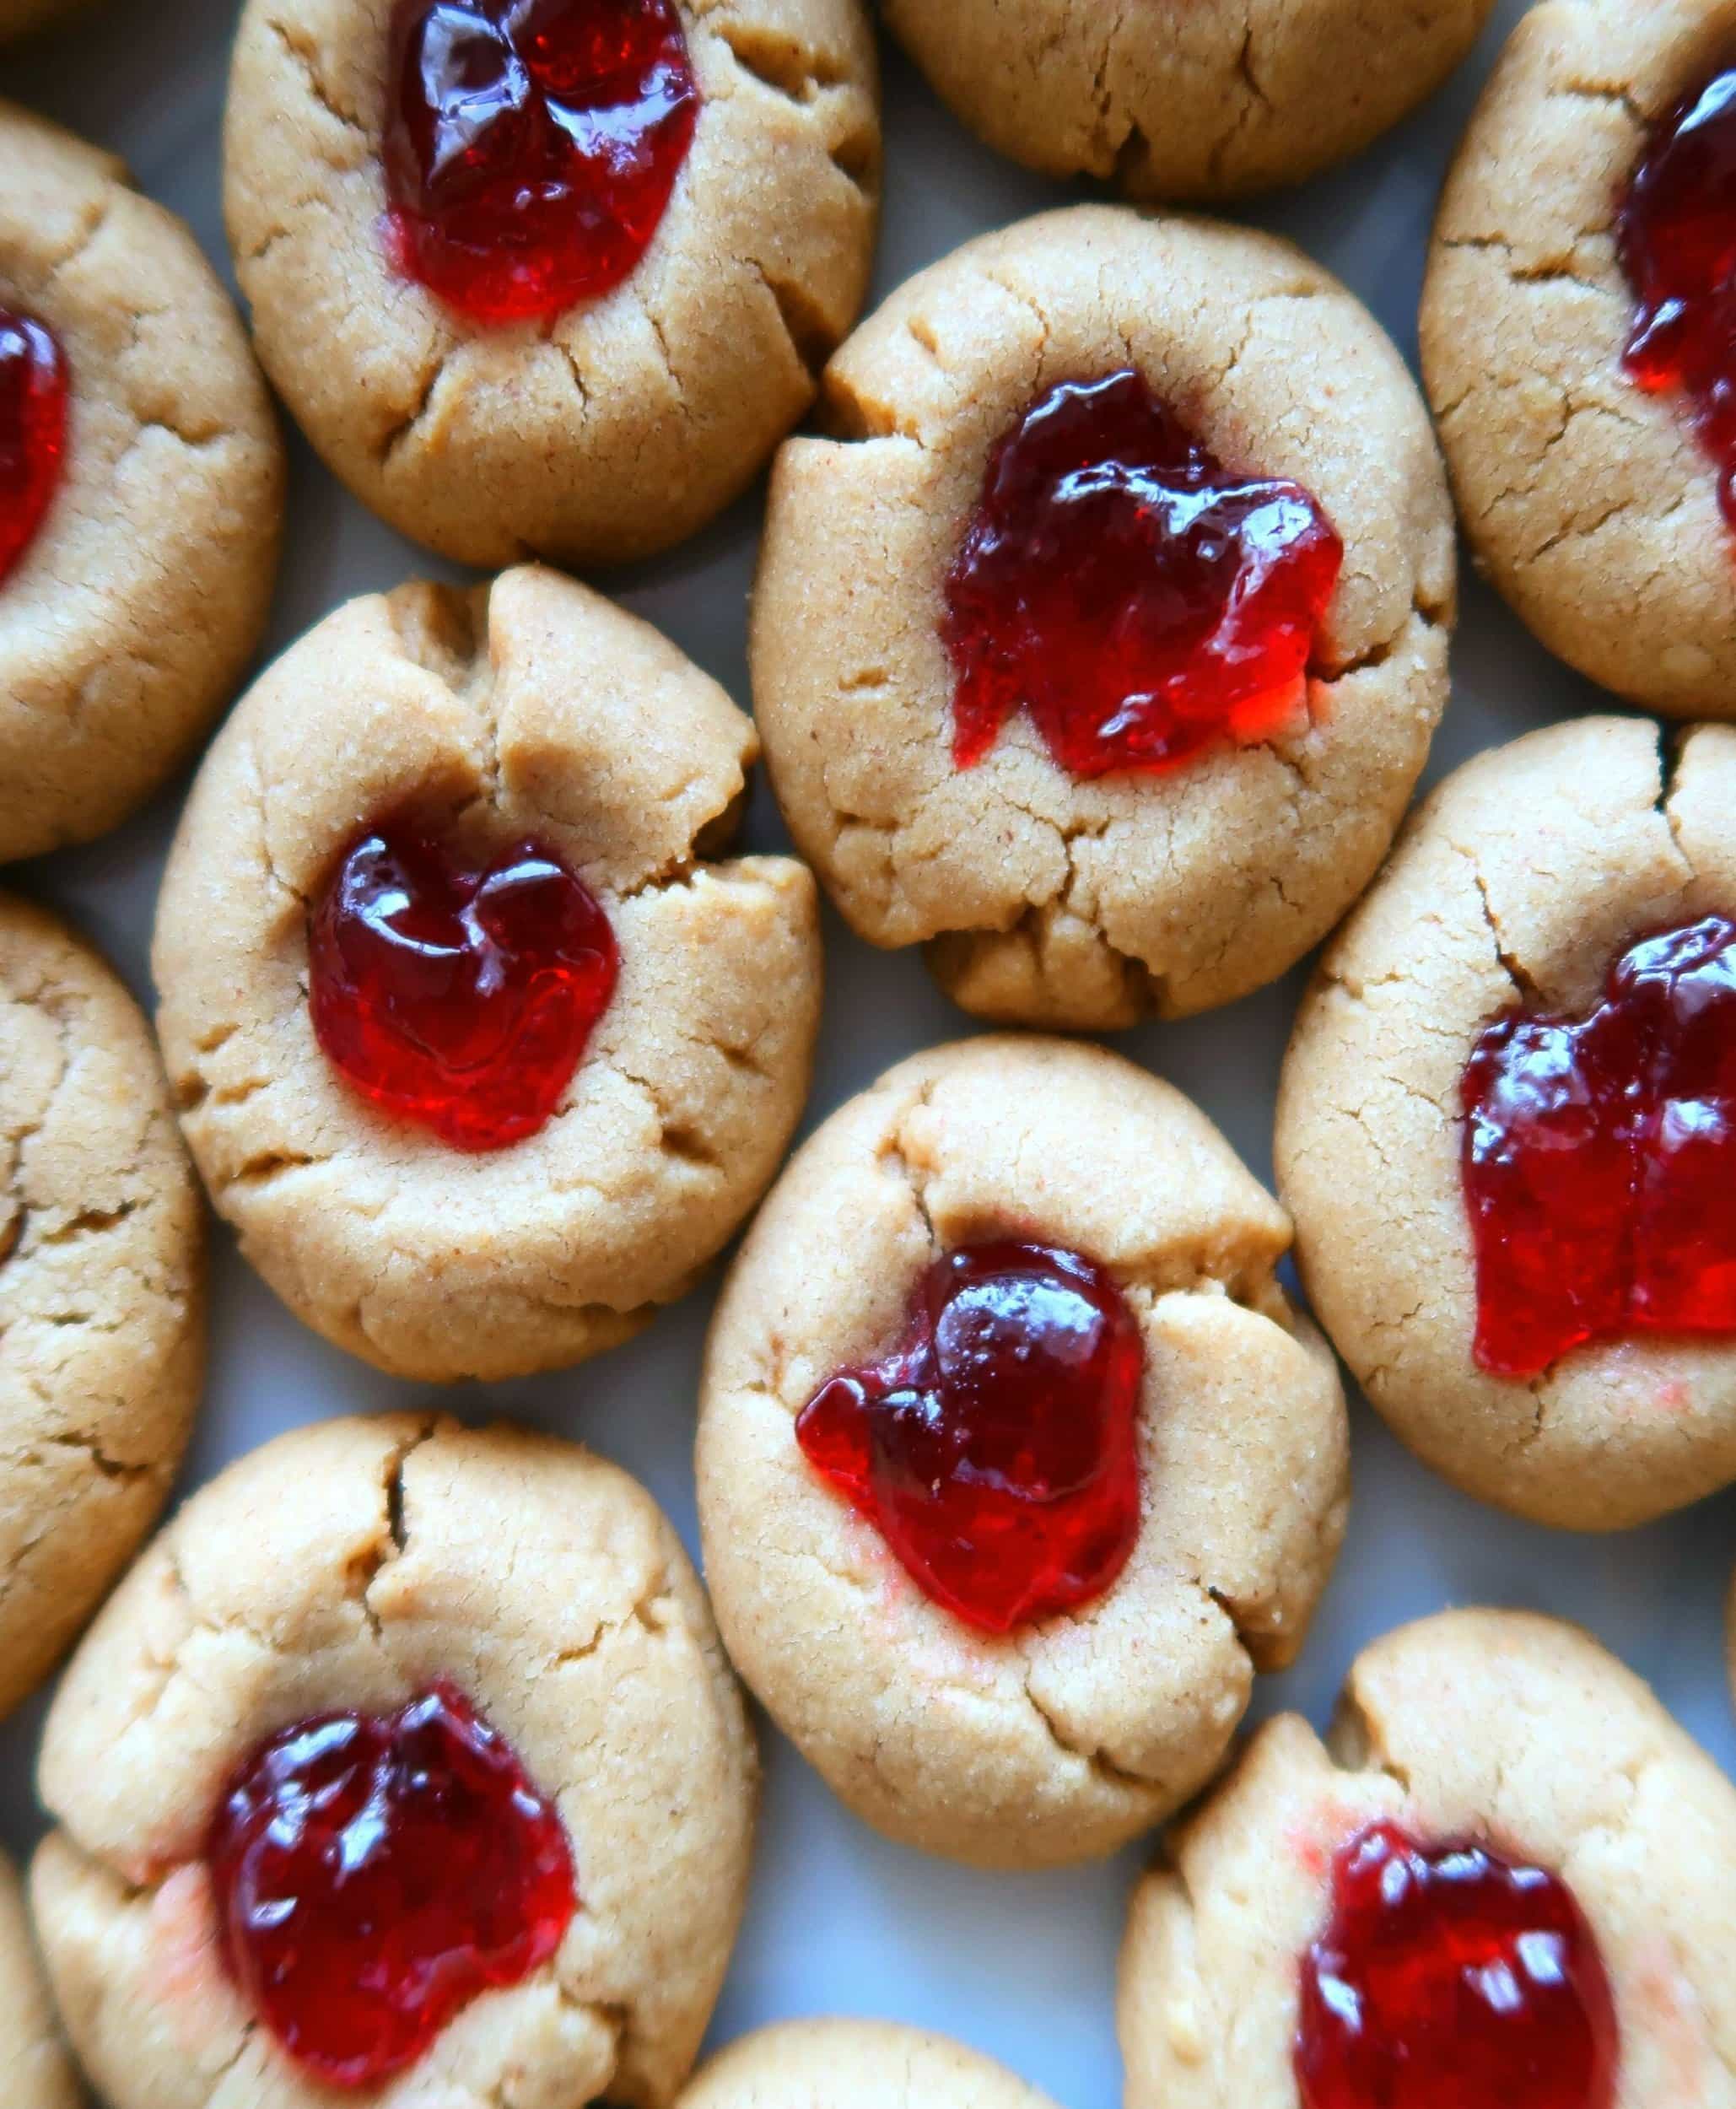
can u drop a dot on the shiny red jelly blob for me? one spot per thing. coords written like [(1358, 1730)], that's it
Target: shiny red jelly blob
[(454, 992), (34, 387), (1137, 598), (373, 1876), (1599, 1158), (532, 146), (1676, 233), (1449, 1978), (996, 1446)]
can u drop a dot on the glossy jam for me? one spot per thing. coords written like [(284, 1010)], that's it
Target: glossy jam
[(1676, 232), (996, 1446), (373, 1876), (1599, 1158), (34, 387), (1449, 1978), (455, 991), (532, 146), (1140, 599)]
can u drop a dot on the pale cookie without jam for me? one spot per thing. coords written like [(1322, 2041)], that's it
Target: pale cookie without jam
[(1589, 503), (143, 594), (626, 424), (1213, 100), (1068, 1738), (35, 2070), (102, 1308), (1515, 1731), (542, 707), (854, 2065), (1045, 899), (1518, 883), (348, 1567)]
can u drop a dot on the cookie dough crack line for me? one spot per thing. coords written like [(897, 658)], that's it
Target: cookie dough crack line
[(305, 57)]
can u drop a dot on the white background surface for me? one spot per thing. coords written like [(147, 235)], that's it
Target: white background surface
[(838, 1921)]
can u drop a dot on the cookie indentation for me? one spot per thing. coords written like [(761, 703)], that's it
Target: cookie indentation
[(34, 386), (1449, 1975), (532, 147), (996, 1446), (1676, 233), (374, 1876), (459, 993), (1138, 599), (1599, 1158)]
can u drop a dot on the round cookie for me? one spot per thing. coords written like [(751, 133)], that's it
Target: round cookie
[(35, 2072), (1587, 500), (351, 1567), (532, 707), (1512, 1732), (102, 1307), (854, 2065), (1046, 898), (130, 612), (1518, 884), (1212, 101), (1060, 1739), (618, 427)]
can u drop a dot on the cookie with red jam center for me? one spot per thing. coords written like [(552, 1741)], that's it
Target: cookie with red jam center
[(1462, 1896), (376, 1851), (141, 491), (451, 918), (1506, 1127), (563, 274), (1577, 342), (1097, 643), (1003, 1371)]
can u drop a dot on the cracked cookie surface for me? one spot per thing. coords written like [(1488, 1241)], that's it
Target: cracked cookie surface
[(143, 594), (542, 709), (348, 1567), (854, 2065), (1589, 503), (102, 1307), (1210, 101), (1067, 1739), (1497, 1726), (625, 425), (1519, 881), (35, 2070), (1044, 899)]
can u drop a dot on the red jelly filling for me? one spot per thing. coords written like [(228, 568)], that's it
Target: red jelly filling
[(373, 1876), (34, 386), (1449, 1978), (1138, 598), (1599, 1158), (532, 145), (1676, 232), (997, 1446), (458, 993)]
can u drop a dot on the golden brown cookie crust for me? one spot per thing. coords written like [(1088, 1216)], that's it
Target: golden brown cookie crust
[(1069, 1739), (854, 2065), (627, 424), (348, 1567), (131, 615), (1496, 1725), (538, 704), (102, 1307), (1589, 503), (1520, 882), (1046, 900), (1210, 101), (35, 2070)]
